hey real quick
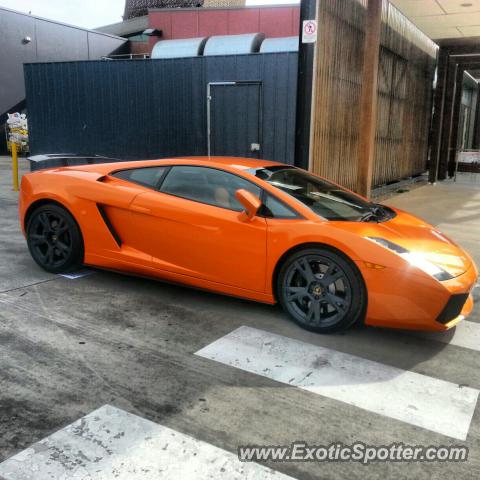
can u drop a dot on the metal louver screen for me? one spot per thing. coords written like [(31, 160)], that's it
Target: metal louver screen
[(406, 67)]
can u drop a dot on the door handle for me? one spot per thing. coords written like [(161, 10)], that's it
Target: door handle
[(140, 209)]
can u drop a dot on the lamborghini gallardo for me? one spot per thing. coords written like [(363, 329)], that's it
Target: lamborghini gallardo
[(255, 229)]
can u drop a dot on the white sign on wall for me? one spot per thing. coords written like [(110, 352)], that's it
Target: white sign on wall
[(309, 31)]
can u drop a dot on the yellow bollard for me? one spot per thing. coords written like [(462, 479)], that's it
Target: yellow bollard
[(15, 167)]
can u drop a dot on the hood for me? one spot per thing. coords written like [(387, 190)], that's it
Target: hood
[(420, 237)]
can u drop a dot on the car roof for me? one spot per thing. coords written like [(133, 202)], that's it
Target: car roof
[(239, 163), (236, 162)]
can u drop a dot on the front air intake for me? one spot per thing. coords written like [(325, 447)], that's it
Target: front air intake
[(453, 308)]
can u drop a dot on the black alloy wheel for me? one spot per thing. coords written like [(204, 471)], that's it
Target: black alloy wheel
[(54, 239), (322, 290)]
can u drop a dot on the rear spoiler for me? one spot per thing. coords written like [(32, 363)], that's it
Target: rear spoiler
[(55, 160)]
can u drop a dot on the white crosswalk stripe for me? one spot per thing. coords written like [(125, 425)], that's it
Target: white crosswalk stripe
[(110, 443), (433, 404)]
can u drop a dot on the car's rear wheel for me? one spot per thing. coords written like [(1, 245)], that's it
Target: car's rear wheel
[(322, 290), (54, 239)]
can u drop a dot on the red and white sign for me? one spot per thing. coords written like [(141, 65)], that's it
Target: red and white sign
[(309, 31)]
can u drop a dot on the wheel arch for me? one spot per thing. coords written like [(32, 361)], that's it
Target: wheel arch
[(45, 201), (50, 201), (306, 245)]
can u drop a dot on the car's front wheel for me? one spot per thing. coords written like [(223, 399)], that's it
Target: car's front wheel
[(322, 290), (54, 239)]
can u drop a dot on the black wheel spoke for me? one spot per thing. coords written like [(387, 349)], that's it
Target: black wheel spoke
[(329, 270), (43, 256), (49, 255), (335, 301), (332, 278), (50, 239), (63, 248), (61, 228), (304, 268), (43, 218), (38, 239), (296, 293), (313, 313), (317, 291)]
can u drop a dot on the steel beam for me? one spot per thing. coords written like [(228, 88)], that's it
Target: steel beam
[(306, 54), (368, 104), (438, 114)]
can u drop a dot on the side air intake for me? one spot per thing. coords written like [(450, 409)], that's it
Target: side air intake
[(109, 225)]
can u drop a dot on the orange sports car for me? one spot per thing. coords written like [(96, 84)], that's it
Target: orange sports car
[(251, 228)]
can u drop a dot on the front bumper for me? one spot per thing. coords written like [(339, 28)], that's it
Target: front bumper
[(460, 303), (397, 299)]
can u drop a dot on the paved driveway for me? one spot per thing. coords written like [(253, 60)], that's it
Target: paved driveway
[(166, 368)]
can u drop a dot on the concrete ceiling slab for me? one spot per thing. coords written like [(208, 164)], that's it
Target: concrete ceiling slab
[(440, 19)]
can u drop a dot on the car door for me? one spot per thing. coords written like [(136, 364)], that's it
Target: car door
[(125, 226), (193, 226)]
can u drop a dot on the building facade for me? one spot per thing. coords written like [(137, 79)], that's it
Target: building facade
[(179, 23), (26, 39)]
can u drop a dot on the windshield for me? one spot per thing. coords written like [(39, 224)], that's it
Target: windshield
[(324, 198)]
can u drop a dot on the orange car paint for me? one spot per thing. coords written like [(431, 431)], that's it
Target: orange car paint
[(213, 248)]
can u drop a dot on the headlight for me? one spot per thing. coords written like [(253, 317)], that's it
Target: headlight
[(415, 259)]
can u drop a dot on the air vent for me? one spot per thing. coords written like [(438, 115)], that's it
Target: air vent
[(109, 225), (453, 308)]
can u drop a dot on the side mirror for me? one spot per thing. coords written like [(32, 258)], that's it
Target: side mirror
[(250, 202)]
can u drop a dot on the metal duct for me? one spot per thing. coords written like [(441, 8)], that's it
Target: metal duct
[(233, 44), (182, 48), (280, 44)]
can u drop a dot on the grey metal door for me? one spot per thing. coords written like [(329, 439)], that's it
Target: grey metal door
[(234, 118)]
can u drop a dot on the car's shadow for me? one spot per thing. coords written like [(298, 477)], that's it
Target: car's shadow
[(406, 350)]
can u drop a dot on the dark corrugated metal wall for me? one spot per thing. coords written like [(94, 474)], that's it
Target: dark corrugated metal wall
[(235, 113), (152, 108)]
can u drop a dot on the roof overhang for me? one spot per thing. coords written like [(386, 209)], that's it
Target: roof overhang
[(127, 28), (443, 19)]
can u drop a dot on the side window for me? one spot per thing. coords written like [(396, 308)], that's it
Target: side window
[(148, 176), (272, 207), (207, 185)]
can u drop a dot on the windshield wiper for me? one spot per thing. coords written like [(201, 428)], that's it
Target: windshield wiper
[(376, 213)]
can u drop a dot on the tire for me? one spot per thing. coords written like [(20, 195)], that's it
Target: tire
[(321, 290), (54, 239)]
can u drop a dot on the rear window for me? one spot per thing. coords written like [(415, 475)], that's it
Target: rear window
[(147, 176)]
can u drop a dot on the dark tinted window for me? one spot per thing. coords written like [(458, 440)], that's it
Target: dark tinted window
[(207, 185), (324, 198), (148, 176), (272, 207)]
